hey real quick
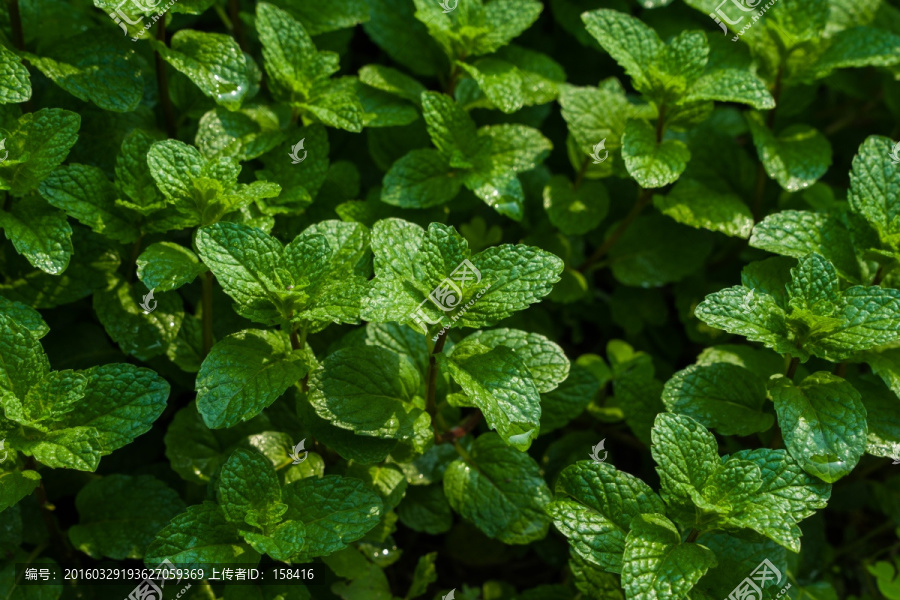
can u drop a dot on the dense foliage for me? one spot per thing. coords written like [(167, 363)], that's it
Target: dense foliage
[(498, 299)]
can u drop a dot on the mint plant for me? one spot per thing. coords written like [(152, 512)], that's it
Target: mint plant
[(476, 299)]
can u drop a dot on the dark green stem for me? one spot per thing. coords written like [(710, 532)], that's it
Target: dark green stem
[(56, 535), (162, 83), (643, 201), (207, 312), (692, 536), (234, 10), (792, 368), (461, 430), (15, 21), (431, 383), (579, 177)]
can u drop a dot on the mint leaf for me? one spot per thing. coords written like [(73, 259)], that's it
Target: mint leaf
[(85, 194), (656, 565), (199, 536), (796, 158), (479, 487), (39, 143), (721, 396), (138, 333), (245, 373), (731, 85), (425, 508), (823, 422), (165, 266), (652, 163), (18, 86), (692, 203), (248, 490), (15, 486), (499, 80), (344, 511), (421, 179), (499, 383), (873, 188), (631, 43), (451, 129), (746, 312), (137, 190), (214, 62), (594, 506), (40, 233), (121, 514), (370, 391), (545, 360), (575, 211)]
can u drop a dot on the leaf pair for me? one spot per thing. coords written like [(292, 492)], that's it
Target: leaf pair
[(69, 419), (806, 315), (255, 515), (485, 160)]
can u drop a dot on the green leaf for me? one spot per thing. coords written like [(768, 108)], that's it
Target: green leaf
[(745, 312), (798, 233), (451, 129), (569, 399), (39, 144), (337, 511), (881, 416), (499, 383), (721, 396), (655, 250), (500, 490), (823, 422), (656, 565), (335, 103), (874, 188), (858, 47), (731, 85), (631, 43), (82, 66), (197, 537), (25, 316), (214, 62), (85, 194), (506, 20), (248, 490), (138, 333), (339, 14), (40, 233), (119, 515), (499, 80), (796, 158), (392, 81), (575, 211), (652, 163), (594, 506), (395, 30), (425, 508), (247, 133), (15, 485), (421, 179), (246, 372), (137, 189), (371, 391), (73, 448), (165, 266), (692, 203), (18, 83), (545, 360)]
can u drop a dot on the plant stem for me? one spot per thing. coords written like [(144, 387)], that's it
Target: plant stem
[(135, 253), (431, 384), (579, 177), (792, 368), (643, 201), (692, 536), (56, 535), (234, 8), (661, 124), (879, 275), (207, 312), (461, 430), (761, 178), (15, 21), (162, 83), (840, 369)]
